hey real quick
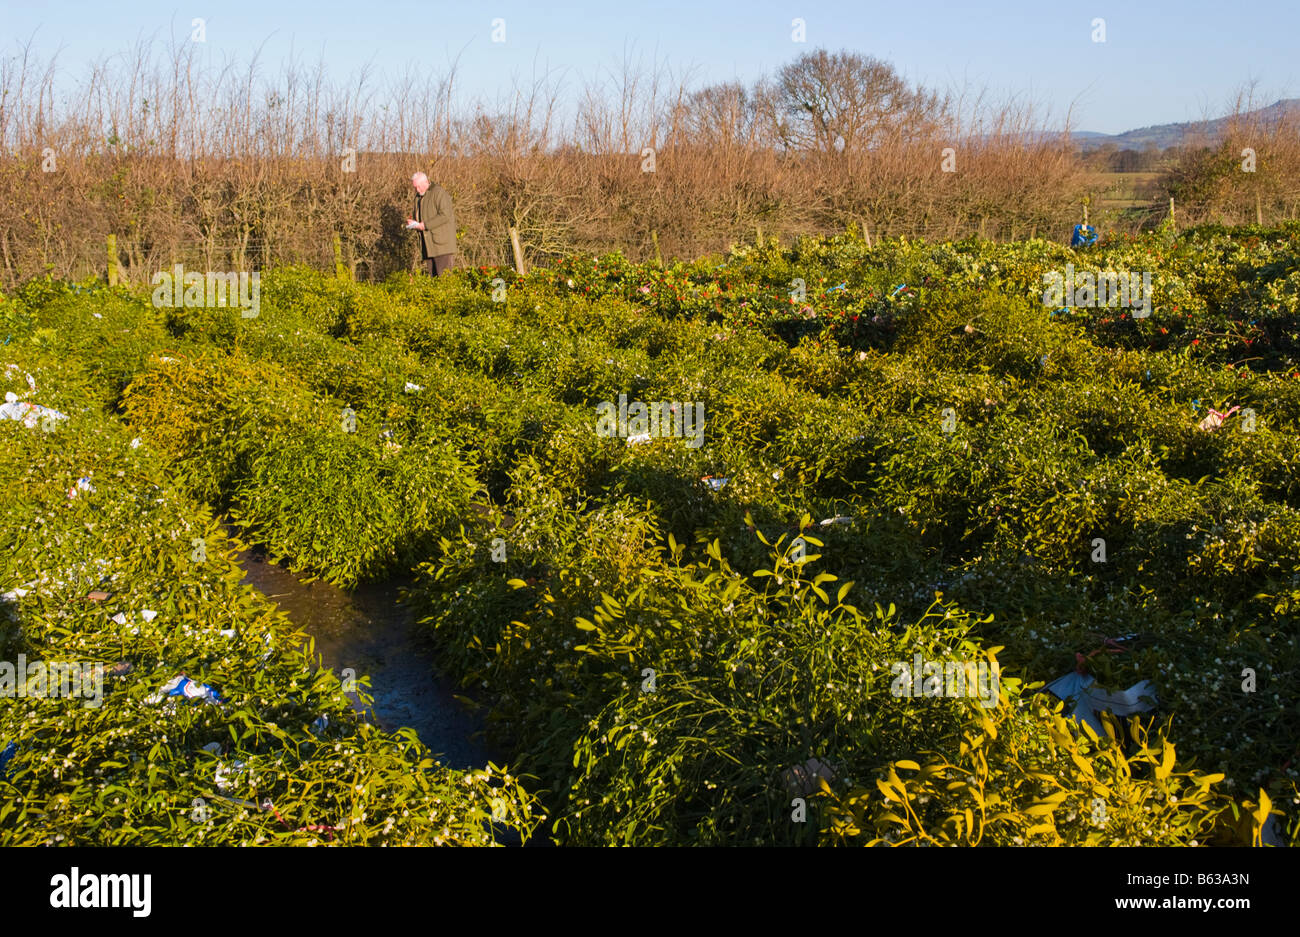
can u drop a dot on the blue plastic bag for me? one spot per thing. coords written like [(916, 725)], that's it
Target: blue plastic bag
[(1085, 235), (187, 689), (1077, 689)]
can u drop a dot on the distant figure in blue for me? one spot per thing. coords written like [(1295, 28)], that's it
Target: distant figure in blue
[(1085, 235)]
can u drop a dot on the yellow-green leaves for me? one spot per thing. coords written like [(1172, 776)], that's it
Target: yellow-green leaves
[(1166, 766), (1260, 815)]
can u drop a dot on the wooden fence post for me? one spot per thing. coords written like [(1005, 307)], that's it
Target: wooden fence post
[(112, 260), (654, 236), (340, 269), (1259, 211), (518, 251)]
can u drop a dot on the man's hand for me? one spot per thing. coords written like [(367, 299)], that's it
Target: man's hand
[(414, 225)]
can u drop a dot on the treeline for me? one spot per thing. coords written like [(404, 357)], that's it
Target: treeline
[(226, 169)]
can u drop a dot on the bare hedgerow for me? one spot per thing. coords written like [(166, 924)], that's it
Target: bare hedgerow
[(241, 168)]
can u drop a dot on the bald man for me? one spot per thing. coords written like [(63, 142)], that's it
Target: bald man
[(436, 223)]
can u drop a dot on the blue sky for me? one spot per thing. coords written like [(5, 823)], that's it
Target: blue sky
[(1162, 61)]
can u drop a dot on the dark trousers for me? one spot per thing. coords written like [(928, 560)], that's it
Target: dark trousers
[(435, 266)]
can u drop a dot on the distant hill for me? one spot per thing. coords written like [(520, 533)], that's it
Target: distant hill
[(1164, 136)]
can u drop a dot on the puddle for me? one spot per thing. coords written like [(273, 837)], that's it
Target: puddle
[(367, 630)]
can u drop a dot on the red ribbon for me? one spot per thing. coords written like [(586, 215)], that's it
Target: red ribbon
[(1109, 645)]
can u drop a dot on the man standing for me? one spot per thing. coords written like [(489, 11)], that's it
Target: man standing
[(436, 223)]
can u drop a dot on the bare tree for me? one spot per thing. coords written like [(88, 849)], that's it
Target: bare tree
[(846, 102)]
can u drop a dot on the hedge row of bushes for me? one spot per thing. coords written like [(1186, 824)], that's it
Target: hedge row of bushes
[(128, 573), (974, 451)]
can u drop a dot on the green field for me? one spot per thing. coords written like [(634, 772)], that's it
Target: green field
[(905, 452)]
